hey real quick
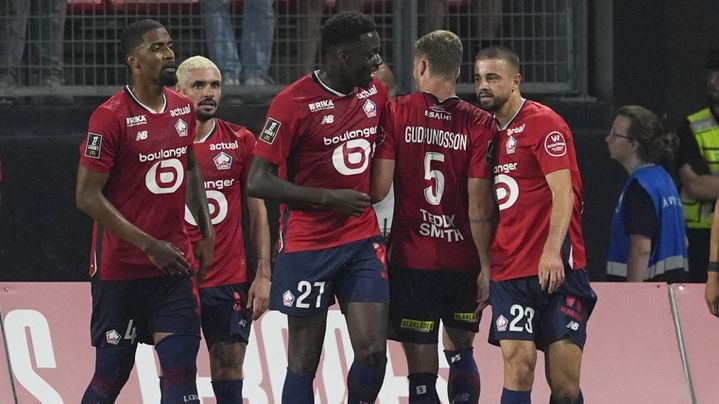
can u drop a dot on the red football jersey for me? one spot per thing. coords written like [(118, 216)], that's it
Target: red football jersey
[(535, 143), (436, 146), (145, 154), (322, 138), (224, 157)]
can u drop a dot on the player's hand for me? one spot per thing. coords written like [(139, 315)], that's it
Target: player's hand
[(711, 293), (482, 291), (258, 297), (204, 252), (551, 272), (167, 257), (347, 201)]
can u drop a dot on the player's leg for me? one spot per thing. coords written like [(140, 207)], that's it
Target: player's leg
[(226, 325), (564, 333), (415, 312), (461, 323), (363, 292), (303, 288), (306, 336), (513, 322), (563, 361), (114, 326), (175, 326)]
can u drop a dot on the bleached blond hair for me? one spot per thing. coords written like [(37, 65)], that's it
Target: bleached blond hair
[(193, 63)]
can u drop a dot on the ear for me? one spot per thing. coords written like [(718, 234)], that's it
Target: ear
[(423, 67), (517, 80), (459, 71), (132, 61)]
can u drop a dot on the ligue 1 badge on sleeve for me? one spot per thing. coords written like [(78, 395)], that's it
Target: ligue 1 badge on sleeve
[(93, 146)]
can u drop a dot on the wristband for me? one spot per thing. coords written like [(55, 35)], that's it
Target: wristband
[(713, 266)]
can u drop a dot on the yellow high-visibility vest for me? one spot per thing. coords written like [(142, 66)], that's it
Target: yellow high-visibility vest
[(698, 214)]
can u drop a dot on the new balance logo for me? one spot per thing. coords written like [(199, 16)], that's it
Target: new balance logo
[(573, 325), (141, 135), (327, 119)]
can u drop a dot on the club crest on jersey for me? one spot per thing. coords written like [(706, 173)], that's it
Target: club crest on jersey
[(511, 145), (94, 145), (288, 299), (269, 132), (555, 145), (181, 127), (112, 337), (223, 161), (501, 324), (370, 109)]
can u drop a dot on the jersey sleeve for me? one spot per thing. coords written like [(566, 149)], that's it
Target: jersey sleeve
[(481, 159), (280, 131), (387, 147), (100, 147), (551, 141)]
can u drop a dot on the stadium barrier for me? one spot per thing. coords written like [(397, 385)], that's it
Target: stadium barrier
[(633, 354)]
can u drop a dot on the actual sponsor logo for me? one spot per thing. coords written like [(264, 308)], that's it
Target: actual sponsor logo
[(321, 105), (224, 146), (327, 119), (180, 111), (511, 145), (181, 127), (135, 120), (141, 135), (223, 161), (370, 109), (367, 93), (288, 299), (470, 317), (417, 325), (555, 145), (112, 337), (93, 146), (269, 132), (501, 323)]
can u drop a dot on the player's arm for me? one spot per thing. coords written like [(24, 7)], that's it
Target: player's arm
[(382, 175), (711, 294), (264, 183), (640, 247), (90, 199), (197, 203), (482, 222), (551, 268), (701, 187), (259, 294)]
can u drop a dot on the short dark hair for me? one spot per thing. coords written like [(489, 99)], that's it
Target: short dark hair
[(646, 129), (131, 37), (713, 59), (499, 52), (345, 28), (443, 51)]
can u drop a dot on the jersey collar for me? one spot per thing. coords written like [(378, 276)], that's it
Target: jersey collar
[(509, 122), (129, 92), (209, 133), (437, 101), (316, 76)]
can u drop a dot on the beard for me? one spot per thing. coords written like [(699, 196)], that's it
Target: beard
[(168, 78), (205, 116), (493, 104)]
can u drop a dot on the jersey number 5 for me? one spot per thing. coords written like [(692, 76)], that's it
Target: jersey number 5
[(433, 194)]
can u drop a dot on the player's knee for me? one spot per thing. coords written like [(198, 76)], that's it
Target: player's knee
[(112, 369), (374, 353), (564, 393), (226, 359), (177, 354)]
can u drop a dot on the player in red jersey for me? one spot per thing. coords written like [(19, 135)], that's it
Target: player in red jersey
[(540, 292), (435, 148), (131, 181), (228, 302), (320, 132)]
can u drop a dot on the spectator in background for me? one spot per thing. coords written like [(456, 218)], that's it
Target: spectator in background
[(258, 28), (42, 23), (698, 164), (648, 240)]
